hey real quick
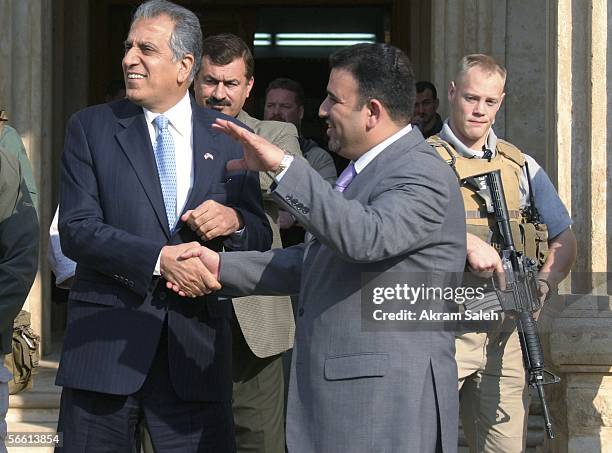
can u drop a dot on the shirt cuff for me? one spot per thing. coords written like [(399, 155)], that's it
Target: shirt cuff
[(289, 160), (157, 270), (236, 240)]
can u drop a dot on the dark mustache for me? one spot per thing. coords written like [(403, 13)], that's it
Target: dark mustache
[(214, 102)]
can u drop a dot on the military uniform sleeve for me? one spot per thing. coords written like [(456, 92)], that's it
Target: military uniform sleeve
[(11, 141), (18, 243)]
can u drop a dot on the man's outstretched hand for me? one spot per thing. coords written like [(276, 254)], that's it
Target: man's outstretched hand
[(188, 277), (208, 259), (259, 154)]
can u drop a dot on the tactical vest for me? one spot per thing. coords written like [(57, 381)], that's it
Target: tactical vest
[(530, 237)]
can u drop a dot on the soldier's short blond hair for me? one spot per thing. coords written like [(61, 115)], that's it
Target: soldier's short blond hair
[(486, 63)]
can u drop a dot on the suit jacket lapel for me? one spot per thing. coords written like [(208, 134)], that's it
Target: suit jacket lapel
[(136, 144), (207, 157), (403, 145)]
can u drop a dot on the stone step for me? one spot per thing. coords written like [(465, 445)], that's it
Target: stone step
[(32, 415), (37, 409), (34, 400)]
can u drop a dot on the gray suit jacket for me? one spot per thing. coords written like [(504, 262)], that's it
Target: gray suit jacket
[(267, 322), (353, 390)]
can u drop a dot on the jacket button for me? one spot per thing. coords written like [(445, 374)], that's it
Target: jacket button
[(301, 312), (163, 295)]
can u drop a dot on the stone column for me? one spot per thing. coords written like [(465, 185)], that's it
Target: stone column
[(581, 350), (514, 33), (578, 123), (25, 92), (461, 27)]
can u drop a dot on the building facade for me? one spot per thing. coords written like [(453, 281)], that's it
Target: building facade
[(557, 108)]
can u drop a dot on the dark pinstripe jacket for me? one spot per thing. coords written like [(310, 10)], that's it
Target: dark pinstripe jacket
[(113, 224)]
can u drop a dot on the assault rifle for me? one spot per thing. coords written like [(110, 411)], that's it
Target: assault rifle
[(519, 297)]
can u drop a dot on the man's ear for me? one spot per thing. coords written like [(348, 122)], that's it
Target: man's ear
[(501, 99), (375, 112), (250, 84), (436, 104), (301, 112), (452, 89), (185, 66)]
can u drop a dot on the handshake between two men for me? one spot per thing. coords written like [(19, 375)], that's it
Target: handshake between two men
[(192, 270)]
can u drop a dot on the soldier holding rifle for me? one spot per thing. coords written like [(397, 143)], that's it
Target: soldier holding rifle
[(492, 378)]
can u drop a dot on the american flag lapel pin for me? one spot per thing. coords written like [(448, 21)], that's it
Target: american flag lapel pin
[(208, 156)]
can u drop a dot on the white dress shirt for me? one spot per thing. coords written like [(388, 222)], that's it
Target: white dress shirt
[(62, 266), (369, 156), (181, 129)]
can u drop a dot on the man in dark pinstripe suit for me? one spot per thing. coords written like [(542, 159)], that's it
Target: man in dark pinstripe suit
[(134, 350)]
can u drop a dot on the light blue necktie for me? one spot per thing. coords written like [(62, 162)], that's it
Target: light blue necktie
[(166, 167)]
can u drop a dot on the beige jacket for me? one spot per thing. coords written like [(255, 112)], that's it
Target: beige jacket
[(267, 321)]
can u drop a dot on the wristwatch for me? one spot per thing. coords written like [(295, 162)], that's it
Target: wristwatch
[(287, 159)]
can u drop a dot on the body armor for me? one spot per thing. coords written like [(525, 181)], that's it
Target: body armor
[(530, 236)]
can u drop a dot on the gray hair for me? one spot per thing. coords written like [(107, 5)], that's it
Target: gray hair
[(186, 38)]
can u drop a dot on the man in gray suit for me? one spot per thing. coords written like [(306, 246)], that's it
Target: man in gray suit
[(400, 213), (263, 327)]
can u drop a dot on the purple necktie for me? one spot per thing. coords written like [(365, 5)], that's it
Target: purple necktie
[(345, 178)]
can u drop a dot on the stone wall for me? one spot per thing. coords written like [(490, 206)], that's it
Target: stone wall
[(512, 31), (580, 339)]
